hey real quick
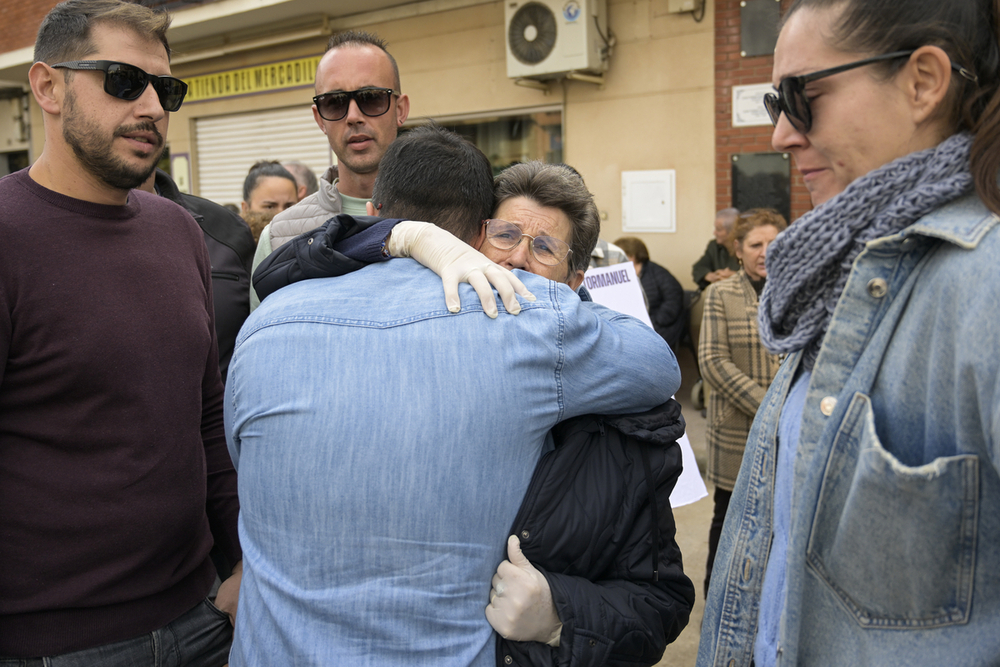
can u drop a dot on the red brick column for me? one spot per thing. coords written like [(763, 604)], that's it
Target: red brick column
[(20, 20), (731, 69)]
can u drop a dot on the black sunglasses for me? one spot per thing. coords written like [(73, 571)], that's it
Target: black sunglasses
[(127, 82), (371, 101), (791, 97)]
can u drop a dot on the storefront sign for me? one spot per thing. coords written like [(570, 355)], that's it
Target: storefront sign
[(257, 79)]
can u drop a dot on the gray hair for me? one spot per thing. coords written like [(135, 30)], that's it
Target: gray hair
[(303, 175), (561, 187), (728, 217)]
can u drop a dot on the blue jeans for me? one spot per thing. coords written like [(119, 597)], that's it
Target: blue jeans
[(199, 638)]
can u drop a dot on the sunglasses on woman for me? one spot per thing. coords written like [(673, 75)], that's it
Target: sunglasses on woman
[(371, 101), (127, 82), (791, 97)]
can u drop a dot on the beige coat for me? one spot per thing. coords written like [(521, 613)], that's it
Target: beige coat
[(739, 370)]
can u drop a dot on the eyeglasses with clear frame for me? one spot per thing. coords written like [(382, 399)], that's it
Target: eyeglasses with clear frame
[(505, 235), (371, 102)]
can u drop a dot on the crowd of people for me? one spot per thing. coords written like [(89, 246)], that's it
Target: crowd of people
[(375, 419)]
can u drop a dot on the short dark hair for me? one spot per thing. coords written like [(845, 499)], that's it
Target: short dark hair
[(752, 219), (362, 38), (966, 30), (261, 170), (434, 175), (556, 186), (65, 32), (634, 248)]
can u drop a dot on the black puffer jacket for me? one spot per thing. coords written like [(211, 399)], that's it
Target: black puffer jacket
[(666, 303), (588, 524), (230, 247)]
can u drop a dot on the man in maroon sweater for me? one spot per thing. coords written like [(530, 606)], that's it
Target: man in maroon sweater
[(113, 465)]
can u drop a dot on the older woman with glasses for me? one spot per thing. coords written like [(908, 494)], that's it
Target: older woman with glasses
[(863, 526), (594, 574)]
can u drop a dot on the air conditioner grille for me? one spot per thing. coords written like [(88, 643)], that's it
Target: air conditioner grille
[(532, 33)]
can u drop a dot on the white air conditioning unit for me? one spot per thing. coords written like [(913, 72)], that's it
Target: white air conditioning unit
[(548, 38)]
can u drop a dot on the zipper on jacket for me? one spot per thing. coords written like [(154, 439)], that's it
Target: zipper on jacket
[(654, 510)]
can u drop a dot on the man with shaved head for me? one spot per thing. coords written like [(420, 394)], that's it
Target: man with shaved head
[(359, 106)]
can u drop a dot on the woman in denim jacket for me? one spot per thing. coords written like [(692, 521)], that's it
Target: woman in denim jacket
[(864, 523)]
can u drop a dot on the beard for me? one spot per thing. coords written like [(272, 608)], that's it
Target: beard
[(95, 152), (360, 164)]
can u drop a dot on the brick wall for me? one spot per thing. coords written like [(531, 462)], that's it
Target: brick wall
[(20, 20), (731, 69)]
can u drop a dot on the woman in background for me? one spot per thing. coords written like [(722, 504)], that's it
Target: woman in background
[(268, 189), (733, 361), (664, 294)]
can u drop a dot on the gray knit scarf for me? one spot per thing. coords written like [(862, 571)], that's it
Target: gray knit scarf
[(808, 264)]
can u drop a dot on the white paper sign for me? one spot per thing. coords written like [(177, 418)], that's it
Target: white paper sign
[(748, 105), (617, 287)]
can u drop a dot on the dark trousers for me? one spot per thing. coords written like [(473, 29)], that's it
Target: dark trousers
[(721, 499), (199, 638)]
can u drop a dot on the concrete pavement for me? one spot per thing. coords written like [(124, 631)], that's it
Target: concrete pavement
[(692, 523)]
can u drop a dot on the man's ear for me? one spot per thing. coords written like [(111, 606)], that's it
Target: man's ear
[(575, 279), (402, 110), (480, 239), (370, 208), (928, 82), (48, 87), (318, 119), (244, 207)]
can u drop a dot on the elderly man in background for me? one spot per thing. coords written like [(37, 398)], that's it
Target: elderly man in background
[(304, 176), (719, 261)]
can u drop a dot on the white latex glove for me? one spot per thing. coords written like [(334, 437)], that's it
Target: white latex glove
[(521, 607), (457, 262)]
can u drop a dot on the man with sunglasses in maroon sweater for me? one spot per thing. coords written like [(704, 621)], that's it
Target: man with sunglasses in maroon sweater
[(113, 464)]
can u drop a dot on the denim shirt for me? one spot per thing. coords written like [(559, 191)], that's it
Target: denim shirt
[(384, 446), (893, 554)]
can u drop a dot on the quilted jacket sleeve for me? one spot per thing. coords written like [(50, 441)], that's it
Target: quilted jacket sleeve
[(320, 253)]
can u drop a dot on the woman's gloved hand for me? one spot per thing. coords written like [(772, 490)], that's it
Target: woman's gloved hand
[(521, 607), (457, 262)]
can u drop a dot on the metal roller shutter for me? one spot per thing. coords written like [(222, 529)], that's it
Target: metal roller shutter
[(229, 145)]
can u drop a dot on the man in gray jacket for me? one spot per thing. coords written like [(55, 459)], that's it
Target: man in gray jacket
[(359, 106)]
